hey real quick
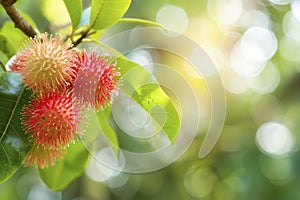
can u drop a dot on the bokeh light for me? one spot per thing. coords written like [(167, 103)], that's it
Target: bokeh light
[(255, 47), (274, 139), (225, 12), (40, 191), (254, 18), (280, 2), (244, 65), (234, 82), (99, 170), (199, 182), (296, 9), (277, 170), (267, 81), (142, 57), (258, 43), (173, 17), (291, 26)]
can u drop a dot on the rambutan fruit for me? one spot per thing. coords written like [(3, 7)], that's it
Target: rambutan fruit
[(46, 63), (52, 120), (96, 80), (42, 156)]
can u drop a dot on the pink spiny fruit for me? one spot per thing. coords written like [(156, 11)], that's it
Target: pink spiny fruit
[(46, 63), (96, 80), (42, 156), (52, 120)]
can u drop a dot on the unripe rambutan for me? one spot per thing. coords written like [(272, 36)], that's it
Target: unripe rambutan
[(42, 156), (96, 80), (46, 63), (52, 120)]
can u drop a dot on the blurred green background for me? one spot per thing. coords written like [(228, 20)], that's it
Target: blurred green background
[(256, 48)]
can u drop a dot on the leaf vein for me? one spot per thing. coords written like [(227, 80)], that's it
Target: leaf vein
[(12, 114)]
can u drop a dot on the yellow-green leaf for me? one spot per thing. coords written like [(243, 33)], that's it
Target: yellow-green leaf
[(105, 13), (65, 171), (6, 46), (139, 84), (108, 131), (74, 8)]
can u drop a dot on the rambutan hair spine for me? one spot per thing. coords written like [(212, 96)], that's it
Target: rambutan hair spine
[(46, 63), (97, 79), (51, 122), (65, 81)]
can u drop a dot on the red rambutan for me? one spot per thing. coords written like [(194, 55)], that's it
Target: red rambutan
[(42, 156), (96, 80), (52, 120)]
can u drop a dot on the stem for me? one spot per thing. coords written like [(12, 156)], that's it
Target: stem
[(83, 35), (17, 18), (140, 21)]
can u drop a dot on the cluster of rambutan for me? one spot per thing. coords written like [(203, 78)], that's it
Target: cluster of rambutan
[(64, 82)]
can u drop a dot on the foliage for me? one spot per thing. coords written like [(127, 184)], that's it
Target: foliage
[(242, 165), (14, 143), (13, 94)]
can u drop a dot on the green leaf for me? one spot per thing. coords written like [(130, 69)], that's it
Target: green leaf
[(139, 84), (3, 58), (90, 128), (13, 34), (13, 142), (153, 99), (6, 46), (110, 134), (105, 13), (3, 61), (65, 171), (74, 8), (29, 19)]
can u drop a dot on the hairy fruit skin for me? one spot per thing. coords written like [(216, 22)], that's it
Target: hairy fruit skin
[(96, 81), (52, 120), (42, 156), (64, 82), (46, 64)]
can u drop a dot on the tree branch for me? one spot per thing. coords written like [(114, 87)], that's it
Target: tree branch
[(83, 35), (17, 18)]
